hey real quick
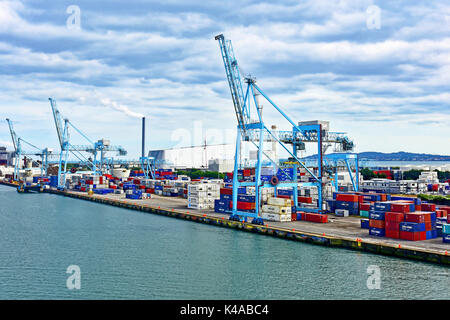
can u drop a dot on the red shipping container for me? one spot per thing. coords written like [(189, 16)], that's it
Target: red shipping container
[(427, 216), (247, 172), (283, 196), (400, 207), (415, 217), (305, 199), (243, 205), (150, 190), (293, 216), (422, 235), (446, 210), (440, 213), (347, 197), (428, 207), (392, 226), (226, 191), (393, 234), (137, 181), (113, 187), (427, 226), (364, 206), (383, 197), (141, 187), (394, 216), (380, 224), (315, 217), (411, 236)]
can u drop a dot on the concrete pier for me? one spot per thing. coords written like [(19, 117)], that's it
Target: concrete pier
[(339, 232)]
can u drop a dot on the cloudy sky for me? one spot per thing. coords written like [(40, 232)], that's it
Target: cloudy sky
[(385, 82)]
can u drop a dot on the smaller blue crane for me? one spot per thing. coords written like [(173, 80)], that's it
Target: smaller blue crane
[(17, 144), (101, 146)]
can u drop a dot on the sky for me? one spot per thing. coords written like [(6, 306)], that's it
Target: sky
[(378, 70)]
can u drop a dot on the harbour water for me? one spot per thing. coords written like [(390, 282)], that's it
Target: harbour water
[(125, 254), (390, 164)]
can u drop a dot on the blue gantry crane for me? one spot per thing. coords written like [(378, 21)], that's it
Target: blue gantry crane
[(255, 130), (17, 144), (95, 148)]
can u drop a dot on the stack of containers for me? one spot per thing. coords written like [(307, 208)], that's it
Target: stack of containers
[(417, 226), (222, 205), (399, 220), (364, 209), (346, 204), (202, 195), (377, 219), (395, 217), (277, 209)]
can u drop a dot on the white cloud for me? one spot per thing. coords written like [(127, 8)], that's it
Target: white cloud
[(310, 57)]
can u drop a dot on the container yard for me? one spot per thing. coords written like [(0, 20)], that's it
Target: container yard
[(378, 223), (323, 201)]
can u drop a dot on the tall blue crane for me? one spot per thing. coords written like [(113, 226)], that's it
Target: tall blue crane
[(99, 147), (17, 144), (257, 132)]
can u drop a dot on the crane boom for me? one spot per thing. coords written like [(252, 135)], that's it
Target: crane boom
[(58, 121), (13, 134), (234, 80)]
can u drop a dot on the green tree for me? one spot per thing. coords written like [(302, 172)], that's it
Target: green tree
[(411, 174), (367, 174)]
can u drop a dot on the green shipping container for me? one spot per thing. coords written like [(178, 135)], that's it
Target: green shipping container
[(446, 228), (364, 214)]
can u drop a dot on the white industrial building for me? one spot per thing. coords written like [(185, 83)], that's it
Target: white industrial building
[(193, 157), (219, 157)]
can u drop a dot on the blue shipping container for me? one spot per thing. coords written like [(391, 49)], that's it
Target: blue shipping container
[(412, 226), (376, 215), (364, 224), (377, 232), (382, 206)]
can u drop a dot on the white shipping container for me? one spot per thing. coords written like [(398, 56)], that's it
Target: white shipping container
[(275, 217), (279, 202), (276, 209)]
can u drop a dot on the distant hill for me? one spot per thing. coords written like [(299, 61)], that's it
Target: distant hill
[(398, 156)]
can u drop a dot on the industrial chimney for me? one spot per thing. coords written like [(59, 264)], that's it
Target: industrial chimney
[(143, 137)]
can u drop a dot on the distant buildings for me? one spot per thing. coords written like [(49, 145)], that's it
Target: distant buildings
[(427, 182), (6, 157)]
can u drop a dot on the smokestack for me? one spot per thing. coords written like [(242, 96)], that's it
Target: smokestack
[(143, 136)]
